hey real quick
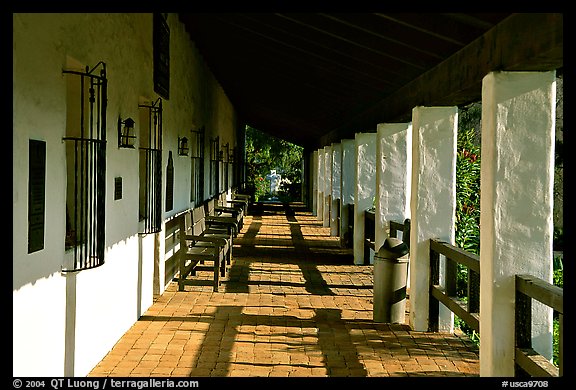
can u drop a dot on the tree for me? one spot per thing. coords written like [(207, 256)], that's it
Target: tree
[(265, 153)]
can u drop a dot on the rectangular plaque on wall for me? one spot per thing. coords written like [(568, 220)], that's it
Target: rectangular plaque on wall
[(161, 52), (170, 183), (36, 194), (117, 188)]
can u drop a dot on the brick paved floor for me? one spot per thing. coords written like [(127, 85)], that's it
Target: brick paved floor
[(293, 304)]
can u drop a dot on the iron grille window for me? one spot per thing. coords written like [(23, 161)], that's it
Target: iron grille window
[(197, 166), (225, 165), (214, 166), (86, 166), (151, 167), (234, 167)]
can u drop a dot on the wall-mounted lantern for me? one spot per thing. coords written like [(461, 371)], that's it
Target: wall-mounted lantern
[(126, 135), (183, 146)]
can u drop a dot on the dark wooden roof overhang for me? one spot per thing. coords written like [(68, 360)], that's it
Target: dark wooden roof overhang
[(317, 78)]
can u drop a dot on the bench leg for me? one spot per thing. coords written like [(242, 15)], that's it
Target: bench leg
[(180, 278), (216, 274), (223, 268)]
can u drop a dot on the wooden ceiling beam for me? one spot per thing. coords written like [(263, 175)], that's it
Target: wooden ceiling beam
[(521, 42)]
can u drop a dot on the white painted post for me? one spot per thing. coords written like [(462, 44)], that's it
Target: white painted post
[(365, 189), (320, 202), (336, 188), (314, 176), (327, 185), (517, 177), (393, 177), (348, 188), (432, 203)]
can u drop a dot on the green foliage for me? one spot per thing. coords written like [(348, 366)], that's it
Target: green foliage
[(467, 226), (264, 153), (468, 192)]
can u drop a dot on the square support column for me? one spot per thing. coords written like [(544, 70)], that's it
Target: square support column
[(327, 185), (393, 174), (348, 190), (516, 234), (314, 175), (365, 188), (432, 204), (336, 189), (320, 194)]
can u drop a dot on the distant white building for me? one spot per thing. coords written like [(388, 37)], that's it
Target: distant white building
[(274, 179)]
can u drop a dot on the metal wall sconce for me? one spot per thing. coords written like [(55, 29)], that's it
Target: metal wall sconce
[(183, 146), (126, 136)]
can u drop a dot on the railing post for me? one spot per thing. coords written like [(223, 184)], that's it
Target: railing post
[(406, 232), (433, 304), (451, 275), (473, 292), (523, 325)]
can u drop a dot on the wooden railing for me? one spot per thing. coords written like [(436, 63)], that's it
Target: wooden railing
[(467, 308), (369, 234), (396, 227), (527, 360)]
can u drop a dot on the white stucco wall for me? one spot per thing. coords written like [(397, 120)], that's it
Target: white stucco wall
[(393, 177), (336, 189), (63, 324), (365, 188), (336, 170), (320, 194), (348, 171), (348, 189), (516, 226), (432, 204), (327, 185), (314, 176)]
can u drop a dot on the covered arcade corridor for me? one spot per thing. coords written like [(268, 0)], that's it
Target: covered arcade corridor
[(294, 304)]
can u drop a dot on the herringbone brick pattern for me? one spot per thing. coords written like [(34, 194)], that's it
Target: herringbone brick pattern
[(293, 304)]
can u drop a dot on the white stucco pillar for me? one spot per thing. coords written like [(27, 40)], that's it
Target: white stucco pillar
[(432, 203), (365, 188), (327, 185), (517, 177), (336, 189), (320, 194), (314, 176), (393, 176), (348, 188)]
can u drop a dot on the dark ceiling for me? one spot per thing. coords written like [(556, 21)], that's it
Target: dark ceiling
[(314, 78)]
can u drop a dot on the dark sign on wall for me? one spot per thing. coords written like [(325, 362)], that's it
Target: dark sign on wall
[(170, 183), (161, 42), (36, 194), (117, 188)]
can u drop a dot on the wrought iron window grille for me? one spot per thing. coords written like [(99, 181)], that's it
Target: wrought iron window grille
[(151, 170), (86, 160), (197, 166)]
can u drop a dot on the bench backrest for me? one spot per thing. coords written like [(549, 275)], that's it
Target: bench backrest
[(210, 207), (222, 199), (198, 220)]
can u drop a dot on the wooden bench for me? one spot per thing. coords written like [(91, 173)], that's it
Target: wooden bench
[(201, 244), (215, 212), (241, 199), (229, 205)]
